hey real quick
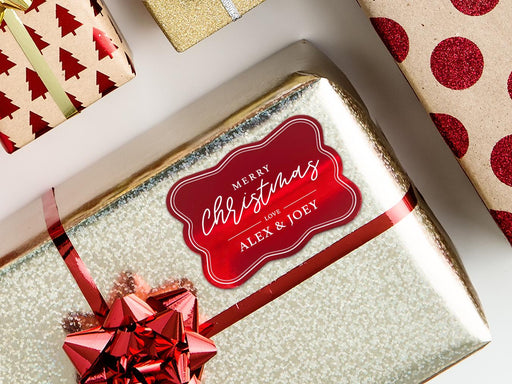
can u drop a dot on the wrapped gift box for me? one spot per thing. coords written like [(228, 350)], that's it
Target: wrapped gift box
[(322, 257), (56, 58), (456, 56), (185, 23)]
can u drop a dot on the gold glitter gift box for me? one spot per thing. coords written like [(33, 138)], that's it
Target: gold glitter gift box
[(391, 304), (187, 22)]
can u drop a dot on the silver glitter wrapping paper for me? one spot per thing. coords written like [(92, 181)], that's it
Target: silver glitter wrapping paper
[(397, 310)]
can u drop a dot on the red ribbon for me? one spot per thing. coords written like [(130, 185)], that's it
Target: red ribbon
[(311, 266), (146, 342), (159, 340), (73, 261)]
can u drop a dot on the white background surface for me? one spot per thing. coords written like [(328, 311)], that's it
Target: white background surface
[(167, 81)]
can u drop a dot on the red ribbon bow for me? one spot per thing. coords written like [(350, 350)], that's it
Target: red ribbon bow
[(153, 341), (137, 342)]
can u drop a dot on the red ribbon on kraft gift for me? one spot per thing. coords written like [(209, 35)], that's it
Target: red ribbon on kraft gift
[(159, 340)]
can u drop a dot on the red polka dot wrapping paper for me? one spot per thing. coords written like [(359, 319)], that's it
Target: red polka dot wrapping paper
[(457, 56), (86, 53)]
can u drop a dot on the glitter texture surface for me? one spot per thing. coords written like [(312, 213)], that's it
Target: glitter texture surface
[(397, 310), (475, 7), (453, 131), (509, 85), (504, 220), (501, 160), (186, 22), (393, 36), (457, 63)]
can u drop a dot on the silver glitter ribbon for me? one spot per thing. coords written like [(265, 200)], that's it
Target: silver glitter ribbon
[(231, 9)]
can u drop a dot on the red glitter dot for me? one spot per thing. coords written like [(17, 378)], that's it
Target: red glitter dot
[(504, 220), (501, 160), (510, 85), (394, 37), (453, 132), (457, 63), (475, 7)]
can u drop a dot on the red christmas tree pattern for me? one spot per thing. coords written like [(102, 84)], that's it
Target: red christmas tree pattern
[(67, 22), (35, 5), (5, 64), (7, 143), (96, 7), (3, 25), (104, 83), (35, 85), (103, 43), (38, 40), (78, 105), (39, 126), (70, 64), (7, 108)]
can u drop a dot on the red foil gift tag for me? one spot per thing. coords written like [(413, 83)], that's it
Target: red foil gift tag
[(263, 201)]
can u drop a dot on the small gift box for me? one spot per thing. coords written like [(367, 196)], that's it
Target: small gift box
[(283, 211), (56, 58), (456, 56), (187, 22)]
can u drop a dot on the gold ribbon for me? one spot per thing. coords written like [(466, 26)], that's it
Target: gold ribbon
[(8, 10), (20, 5)]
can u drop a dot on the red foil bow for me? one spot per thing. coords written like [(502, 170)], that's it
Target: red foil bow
[(138, 341), (143, 342)]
